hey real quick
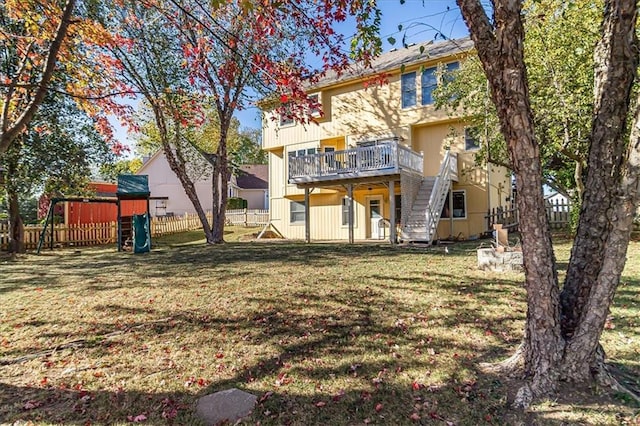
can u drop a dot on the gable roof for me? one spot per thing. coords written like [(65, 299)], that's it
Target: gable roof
[(253, 176), (149, 160), (396, 58)]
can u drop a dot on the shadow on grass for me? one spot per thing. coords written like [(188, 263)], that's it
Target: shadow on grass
[(370, 386), (356, 354), (45, 272)]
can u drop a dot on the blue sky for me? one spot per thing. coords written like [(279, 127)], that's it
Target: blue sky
[(421, 20)]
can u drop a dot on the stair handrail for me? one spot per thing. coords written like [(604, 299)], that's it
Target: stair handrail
[(440, 188)]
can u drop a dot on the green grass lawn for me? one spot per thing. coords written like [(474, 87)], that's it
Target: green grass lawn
[(323, 334)]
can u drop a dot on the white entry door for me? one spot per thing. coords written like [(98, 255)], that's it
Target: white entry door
[(374, 208)]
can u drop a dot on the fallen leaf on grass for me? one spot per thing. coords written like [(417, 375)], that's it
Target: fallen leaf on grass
[(169, 413), (320, 404), (137, 419), (264, 397), (337, 397), (31, 404), (283, 379), (379, 407)]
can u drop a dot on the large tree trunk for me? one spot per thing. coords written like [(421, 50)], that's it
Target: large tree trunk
[(612, 91), (567, 349), (221, 186), (179, 169), (501, 52), (177, 164), (582, 357), (16, 226)]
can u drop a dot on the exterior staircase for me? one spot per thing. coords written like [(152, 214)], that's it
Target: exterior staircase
[(427, 206)]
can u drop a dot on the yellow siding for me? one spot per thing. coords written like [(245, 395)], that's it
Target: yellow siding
[(432, 139), (353, 113), (325, 218), (277, 175)]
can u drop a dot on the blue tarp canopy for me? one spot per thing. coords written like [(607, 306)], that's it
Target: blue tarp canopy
[(133, 186)]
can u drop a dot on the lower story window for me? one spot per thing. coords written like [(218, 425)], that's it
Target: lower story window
[(459, 205), (297, 212), (345, 212)]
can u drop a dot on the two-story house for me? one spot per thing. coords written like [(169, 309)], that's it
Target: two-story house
[(382, 159)]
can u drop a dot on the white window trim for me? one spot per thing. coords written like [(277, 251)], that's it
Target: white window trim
[(355, 215), (418, 84), (288, 124), (298, 222), (466, 131), (317, 113), (466, 206)]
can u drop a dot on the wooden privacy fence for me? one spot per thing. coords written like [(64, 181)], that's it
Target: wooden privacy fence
[(167, 225), (92, 234), (558, 215), (505, 215), (245, 217)]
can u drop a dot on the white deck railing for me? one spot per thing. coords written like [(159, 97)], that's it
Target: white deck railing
[(385, 158), (439, 194)]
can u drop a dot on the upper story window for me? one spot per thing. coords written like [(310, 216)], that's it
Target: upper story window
[(285, 121), (408, 88), (429, 80), (429, 83), (471, 139), (449, 68), (285, 117), (317, 110)]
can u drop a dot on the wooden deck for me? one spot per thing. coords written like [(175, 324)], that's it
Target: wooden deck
[(369, 162)]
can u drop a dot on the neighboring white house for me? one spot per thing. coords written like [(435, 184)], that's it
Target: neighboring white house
[(557, 198), (251, 184)]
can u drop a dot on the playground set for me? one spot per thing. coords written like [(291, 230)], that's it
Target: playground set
[(134, 230)]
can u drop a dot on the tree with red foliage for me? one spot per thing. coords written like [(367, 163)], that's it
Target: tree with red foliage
[(50, 45)]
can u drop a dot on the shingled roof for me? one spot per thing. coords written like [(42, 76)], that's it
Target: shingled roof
[(407, 56), (253, 176)]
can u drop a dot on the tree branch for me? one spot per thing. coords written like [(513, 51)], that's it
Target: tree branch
[(7, 136)]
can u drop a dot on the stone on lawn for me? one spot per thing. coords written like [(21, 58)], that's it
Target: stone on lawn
[(229, 405)]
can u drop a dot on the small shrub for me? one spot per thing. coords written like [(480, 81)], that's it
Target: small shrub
[(236, 203)]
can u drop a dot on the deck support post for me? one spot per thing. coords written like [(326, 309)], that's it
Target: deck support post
[(392, 211), (350, 195), (307, 216)]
